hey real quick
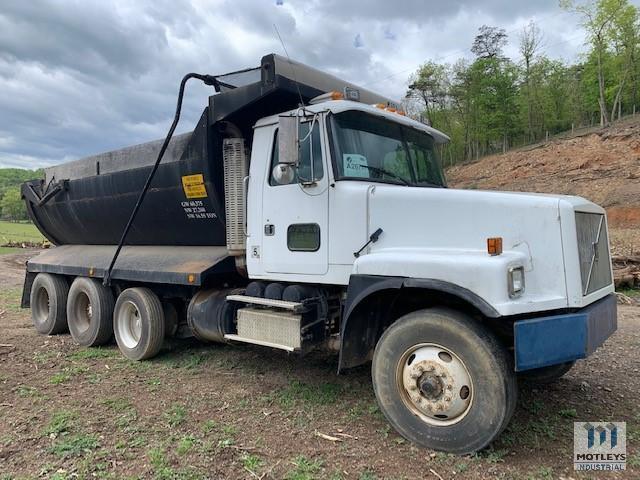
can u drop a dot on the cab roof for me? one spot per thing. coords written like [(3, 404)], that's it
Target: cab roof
[(338, 106)]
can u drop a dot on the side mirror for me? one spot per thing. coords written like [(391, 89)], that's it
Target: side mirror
[(283, 173), (288, 140)]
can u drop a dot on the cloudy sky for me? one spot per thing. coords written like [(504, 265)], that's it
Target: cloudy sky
[(79, 77)]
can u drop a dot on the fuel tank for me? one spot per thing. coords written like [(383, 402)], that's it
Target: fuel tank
[(89, 201)]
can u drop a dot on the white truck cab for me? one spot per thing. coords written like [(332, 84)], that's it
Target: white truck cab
[(304, 212)]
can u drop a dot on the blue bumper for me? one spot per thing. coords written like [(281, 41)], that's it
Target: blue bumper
[(544, 341)]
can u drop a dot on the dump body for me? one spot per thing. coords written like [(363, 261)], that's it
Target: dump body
[(184, 206), (88, 201)]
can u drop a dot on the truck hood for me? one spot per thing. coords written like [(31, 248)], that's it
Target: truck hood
[(442, 234)]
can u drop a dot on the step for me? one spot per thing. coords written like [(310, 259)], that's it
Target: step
[(238, 338), (295, 307)]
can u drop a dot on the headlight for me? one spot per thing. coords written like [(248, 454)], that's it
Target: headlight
[(515, 281)]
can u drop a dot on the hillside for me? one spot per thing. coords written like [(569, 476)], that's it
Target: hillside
[(602, 166)]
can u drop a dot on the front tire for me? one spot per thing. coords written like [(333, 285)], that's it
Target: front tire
[(139, 323), (90, 312), (48, 302), (443, 381)]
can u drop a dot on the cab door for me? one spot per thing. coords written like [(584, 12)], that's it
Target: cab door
[(296, 215)]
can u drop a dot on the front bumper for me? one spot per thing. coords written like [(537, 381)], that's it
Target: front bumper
[(544, 341)]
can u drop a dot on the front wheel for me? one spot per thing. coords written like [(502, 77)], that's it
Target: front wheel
[(444, 381)]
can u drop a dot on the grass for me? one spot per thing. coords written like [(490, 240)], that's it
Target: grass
[(630, 292), (308, 394), (185, 444), (304, 469), (163, 471), (66, 374), (7, 250), (74, 445), (61, 422), (19, 232), (93, 353), (10, 299), (251, 463), (176, 415)]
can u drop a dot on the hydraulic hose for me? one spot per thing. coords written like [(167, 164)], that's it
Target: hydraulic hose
[(208, 80)]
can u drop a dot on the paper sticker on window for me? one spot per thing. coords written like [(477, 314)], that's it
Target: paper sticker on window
[(352, 164)]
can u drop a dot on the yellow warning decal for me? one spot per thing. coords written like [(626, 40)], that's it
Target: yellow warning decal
[(193, 186)]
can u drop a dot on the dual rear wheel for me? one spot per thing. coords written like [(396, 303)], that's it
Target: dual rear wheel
[(93, 316)]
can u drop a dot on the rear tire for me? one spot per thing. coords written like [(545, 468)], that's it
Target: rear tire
[(546, 375), (90, 312), (444, 381), (48, 302), (139, 323)]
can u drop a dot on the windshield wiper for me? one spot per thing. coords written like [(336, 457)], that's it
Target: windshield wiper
[(387, 172)]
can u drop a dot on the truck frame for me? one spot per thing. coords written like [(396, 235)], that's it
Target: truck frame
[(306, 212)]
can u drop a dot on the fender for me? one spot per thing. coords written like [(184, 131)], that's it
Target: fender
[(357, 339)]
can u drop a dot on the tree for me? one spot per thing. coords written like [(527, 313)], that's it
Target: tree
[(429, 85), (530, 43), (12, 205), (598, 18), (489, 42), (625, 38)]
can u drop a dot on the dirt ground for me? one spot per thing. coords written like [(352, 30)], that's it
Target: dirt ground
[(210, 411), (602, 166)]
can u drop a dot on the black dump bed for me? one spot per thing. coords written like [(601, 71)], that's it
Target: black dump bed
[(88, 201)]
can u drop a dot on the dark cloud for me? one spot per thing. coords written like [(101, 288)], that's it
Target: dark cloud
[(82, 76)]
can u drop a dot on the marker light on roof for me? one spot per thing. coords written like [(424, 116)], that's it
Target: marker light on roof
[(325, 97)]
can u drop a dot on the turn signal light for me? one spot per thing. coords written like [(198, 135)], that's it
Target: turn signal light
[(494, 245)]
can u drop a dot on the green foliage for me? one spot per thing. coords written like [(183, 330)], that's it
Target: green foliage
[(494, 103), (13, 177), (11, 204)]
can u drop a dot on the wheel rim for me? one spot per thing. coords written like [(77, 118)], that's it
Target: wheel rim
[(83, 312), (434, 384), (129, 324), (41, 306)]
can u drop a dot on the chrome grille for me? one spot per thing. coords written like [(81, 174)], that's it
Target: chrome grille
[(593, 251)]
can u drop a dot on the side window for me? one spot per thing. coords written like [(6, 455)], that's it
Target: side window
[(303, 237), (311, 144)]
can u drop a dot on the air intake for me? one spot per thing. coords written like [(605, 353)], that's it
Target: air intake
[(235, 172)]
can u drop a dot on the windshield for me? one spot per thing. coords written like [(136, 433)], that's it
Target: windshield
[(372, 148)]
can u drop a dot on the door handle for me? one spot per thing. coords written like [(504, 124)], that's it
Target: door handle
[(269, 230)]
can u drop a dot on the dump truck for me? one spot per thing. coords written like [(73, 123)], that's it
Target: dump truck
[(306, 212)]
